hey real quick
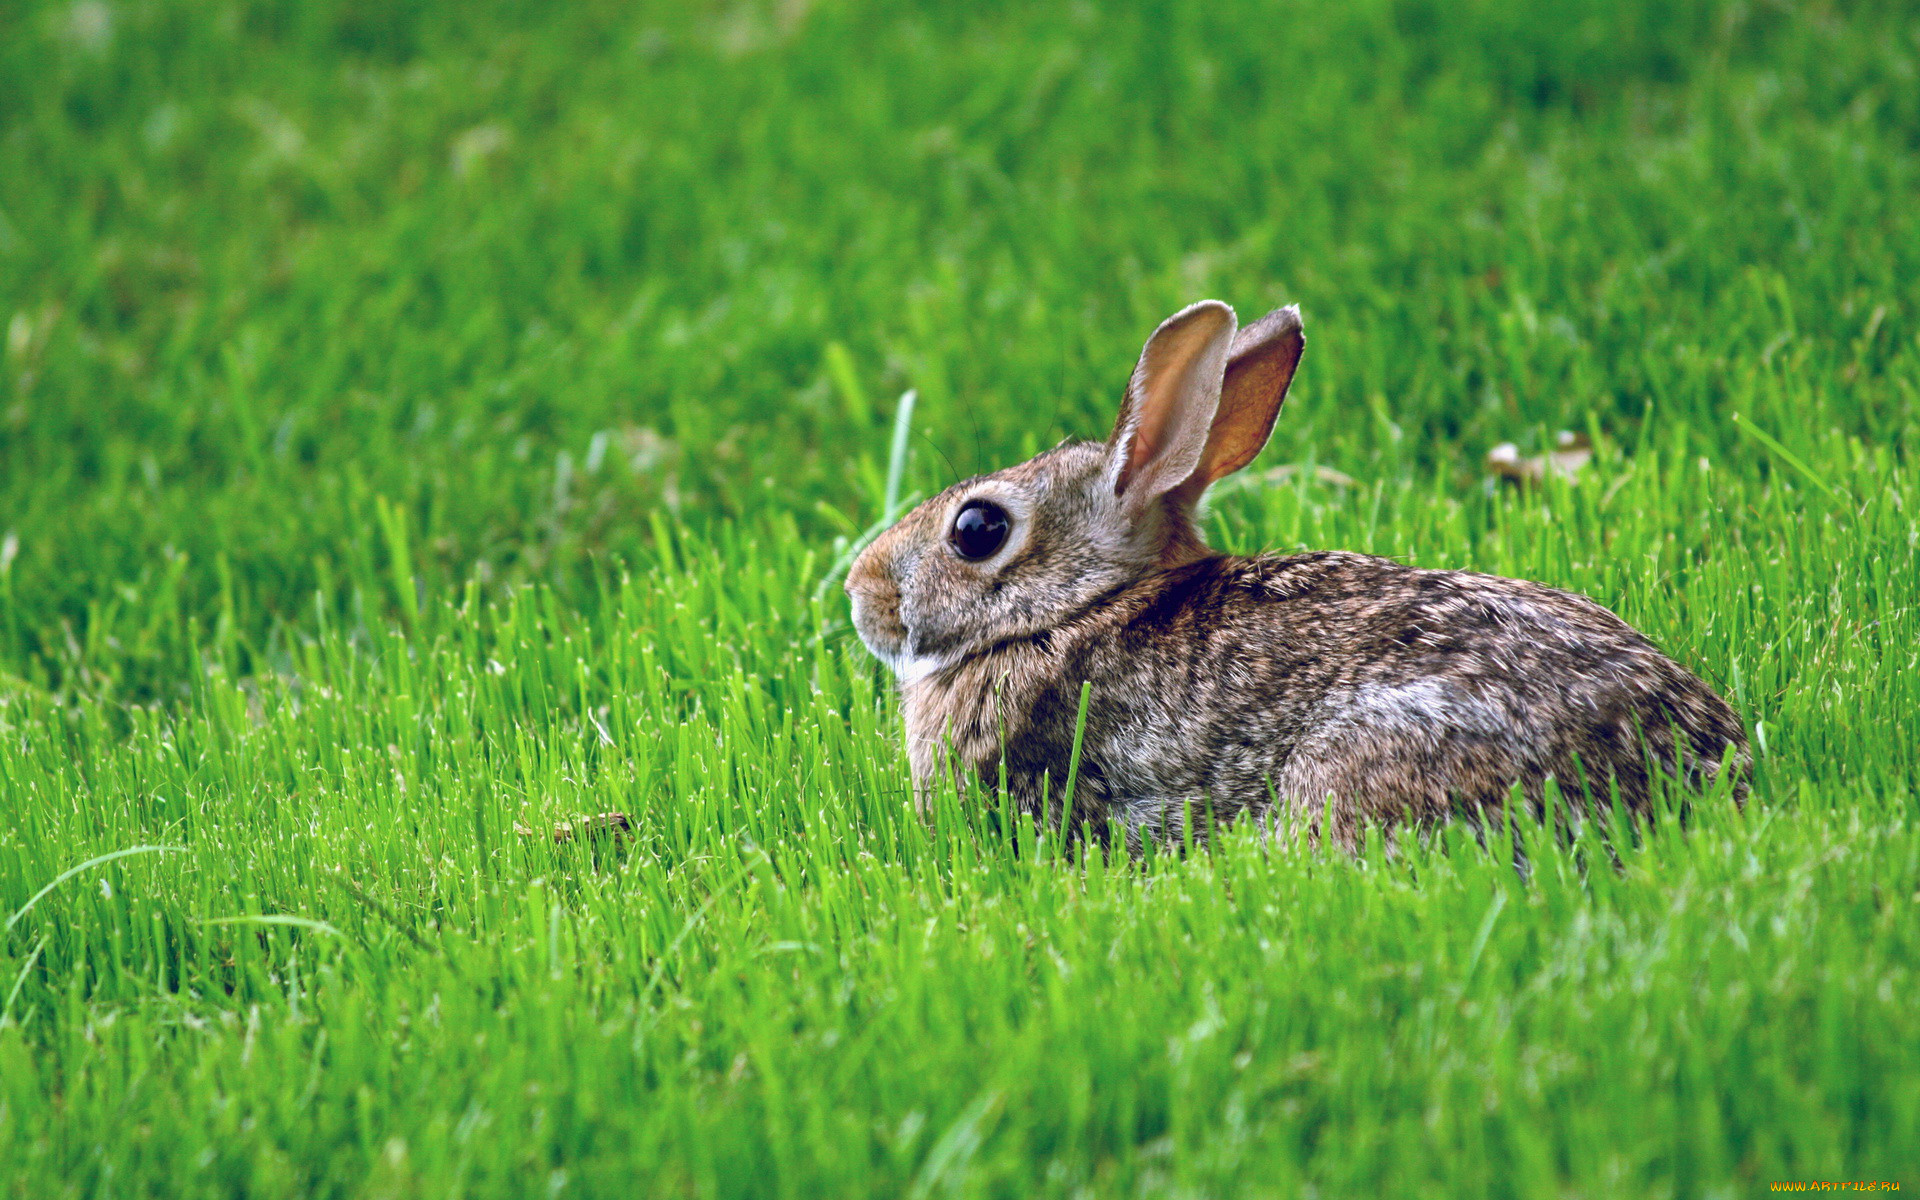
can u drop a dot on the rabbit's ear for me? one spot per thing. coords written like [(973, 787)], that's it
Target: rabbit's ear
[(1259, 368), (1158, 441)]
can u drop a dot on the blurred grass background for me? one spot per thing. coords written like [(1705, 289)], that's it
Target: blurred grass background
[(422, 420), (529, 275)]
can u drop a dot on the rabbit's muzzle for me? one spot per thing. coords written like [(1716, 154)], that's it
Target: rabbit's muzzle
[(876, 608)]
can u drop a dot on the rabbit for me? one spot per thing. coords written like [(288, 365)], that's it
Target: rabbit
[(1320, 687)]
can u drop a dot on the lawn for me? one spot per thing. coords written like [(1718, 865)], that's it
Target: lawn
[(424, 424)]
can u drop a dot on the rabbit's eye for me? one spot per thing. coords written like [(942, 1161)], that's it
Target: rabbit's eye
[(979, 530)]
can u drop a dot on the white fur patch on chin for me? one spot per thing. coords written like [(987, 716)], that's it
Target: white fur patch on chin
[(912, 668)]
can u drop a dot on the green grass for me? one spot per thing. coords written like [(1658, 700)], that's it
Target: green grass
[(423, 423)]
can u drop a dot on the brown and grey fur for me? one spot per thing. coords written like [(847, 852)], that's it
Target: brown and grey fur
[(1292, 688)]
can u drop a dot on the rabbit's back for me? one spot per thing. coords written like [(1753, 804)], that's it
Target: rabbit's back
[(1286, 684)]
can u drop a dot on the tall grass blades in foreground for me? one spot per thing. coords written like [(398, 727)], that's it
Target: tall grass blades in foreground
[(422, 427)]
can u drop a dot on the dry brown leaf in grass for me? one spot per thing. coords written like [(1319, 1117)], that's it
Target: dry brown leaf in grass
[(1570, 455), (614, 825)]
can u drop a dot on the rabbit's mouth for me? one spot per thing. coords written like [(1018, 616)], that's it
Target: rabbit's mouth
[(890, 641)]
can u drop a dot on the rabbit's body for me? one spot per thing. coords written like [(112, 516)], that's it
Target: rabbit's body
[(1278, 684), (1287, 687)]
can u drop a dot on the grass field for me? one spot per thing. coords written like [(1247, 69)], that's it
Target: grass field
[(421, 424)]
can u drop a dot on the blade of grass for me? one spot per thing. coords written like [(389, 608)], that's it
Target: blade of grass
[(88, 865), (20, 980), (285, 919), (1073, 760), (1769, 442)]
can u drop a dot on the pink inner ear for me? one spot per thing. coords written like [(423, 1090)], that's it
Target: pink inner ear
[(1249, 403), (1146, 440), (1159, 406)]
